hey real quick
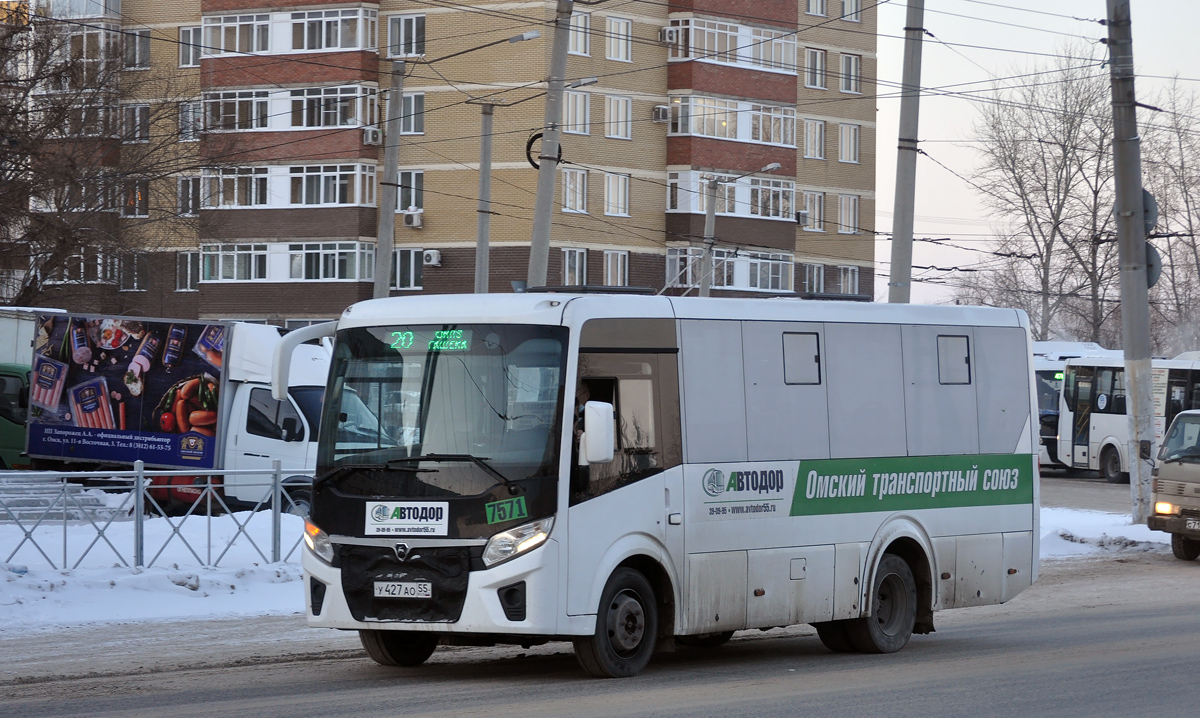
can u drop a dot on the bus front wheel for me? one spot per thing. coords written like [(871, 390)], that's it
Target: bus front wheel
[(1110, 467), (1184, 548), (834, 636), (893, 609), (398, 648), (626, 628)]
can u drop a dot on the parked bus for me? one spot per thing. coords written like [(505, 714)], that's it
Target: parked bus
[(632, 472), (1049, 363), (1093, 425)]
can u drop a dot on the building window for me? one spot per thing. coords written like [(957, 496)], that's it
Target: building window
[(766, 271), (618, 117), (406, 268), (244, 110), (759, 197), (331, 261), (88, 120), (233, 262), (814, 68), (333, 184), (236, 33), (673, 191), (773, 48), (235, 187), (848, 143), (814, 139), (576, 109), (412, 121), (773, 125), (574, 267), (814, 204), (135, 199), (137, 49), (616, 195), (132, 272), (580, 38), (713, 117), (90, 266), (769, 270), (412, 191), (815, 7), (852, 73), (334, 106), (135, 123), (333, 29), (814, 278), (574, 190), (189, 196), (771, 198), (848, 214), (852, 10), (728, 43), (616, 268), (187, 271), (189, 46), (406, 35), (619, 45), (848, 279), (191, 119), (683, 266)]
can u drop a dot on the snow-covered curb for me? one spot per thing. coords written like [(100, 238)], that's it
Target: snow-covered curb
[(32, 598)]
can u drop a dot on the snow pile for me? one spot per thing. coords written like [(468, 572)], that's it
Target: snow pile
[(1071, 533), (178, 586)]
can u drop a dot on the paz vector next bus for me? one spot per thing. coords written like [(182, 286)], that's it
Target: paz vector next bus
[(631, 473)]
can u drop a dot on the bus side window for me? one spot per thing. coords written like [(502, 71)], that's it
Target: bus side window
[(643, 389), (954, 359), (801, 358)]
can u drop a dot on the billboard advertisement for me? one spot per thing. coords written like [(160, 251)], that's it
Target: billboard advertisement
[(115, 389)]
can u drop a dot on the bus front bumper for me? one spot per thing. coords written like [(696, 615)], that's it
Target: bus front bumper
[(482, 609)]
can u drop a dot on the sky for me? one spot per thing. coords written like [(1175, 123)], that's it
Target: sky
[(946, 206)]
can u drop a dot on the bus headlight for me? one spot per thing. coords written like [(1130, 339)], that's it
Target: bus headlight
[(1163, 507), (514, 542), (318, 542)]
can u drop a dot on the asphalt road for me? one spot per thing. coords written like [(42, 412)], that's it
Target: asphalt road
[(1115, 636)]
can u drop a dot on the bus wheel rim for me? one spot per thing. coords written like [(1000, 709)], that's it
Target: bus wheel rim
[(626, 623), (890, 604)]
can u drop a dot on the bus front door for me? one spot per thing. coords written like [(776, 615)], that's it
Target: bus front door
[(1082, 430)]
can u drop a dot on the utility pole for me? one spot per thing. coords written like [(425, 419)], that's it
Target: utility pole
[(710, 231), (1131, 239), (539, 244), (386, 228), (900, 286), (484, 211)]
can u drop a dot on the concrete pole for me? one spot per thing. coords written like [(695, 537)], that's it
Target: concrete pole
[(484, 211), (710, 232), (543, 214), (900, 286), (1131, 238), (386, 228)]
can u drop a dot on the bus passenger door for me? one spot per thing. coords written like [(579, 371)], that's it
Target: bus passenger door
[(1082, 430)]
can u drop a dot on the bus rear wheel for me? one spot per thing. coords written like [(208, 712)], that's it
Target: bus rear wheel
[(893, 609), (398, 648), (1110, 467), (626, 628), (834, 636), (1184, 548)]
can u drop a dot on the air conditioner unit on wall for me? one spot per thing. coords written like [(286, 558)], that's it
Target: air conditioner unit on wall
[(662, 113), (412, 219), (669, 35), (372, 136), (431, 258)]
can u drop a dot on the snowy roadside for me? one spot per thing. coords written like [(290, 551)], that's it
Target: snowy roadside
[(178, 588)]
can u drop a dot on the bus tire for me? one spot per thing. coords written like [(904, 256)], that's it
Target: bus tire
[(1110, 466), (705, 640), (834, 636), (1184, 548), (398, 648), (893, 609), (626, 628)]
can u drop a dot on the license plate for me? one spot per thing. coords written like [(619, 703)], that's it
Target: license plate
[(1192, 524), (403, 589)]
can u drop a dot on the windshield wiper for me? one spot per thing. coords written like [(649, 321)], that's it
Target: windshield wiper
[(341, 468), (481, 462)]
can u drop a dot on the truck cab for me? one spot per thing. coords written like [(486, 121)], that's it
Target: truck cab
[(1177, 486), (14, 403)]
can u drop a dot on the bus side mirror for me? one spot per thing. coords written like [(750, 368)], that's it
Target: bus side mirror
[(291, 429), (598, 432)]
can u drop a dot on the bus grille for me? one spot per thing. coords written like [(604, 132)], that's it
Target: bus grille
[(447, 568)]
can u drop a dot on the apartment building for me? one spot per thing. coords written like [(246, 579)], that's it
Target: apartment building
[(276, 108)]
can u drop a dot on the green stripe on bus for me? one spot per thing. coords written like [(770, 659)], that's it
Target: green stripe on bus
[(843, 486)]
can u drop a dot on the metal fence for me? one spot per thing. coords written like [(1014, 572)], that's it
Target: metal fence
[(54, 517)]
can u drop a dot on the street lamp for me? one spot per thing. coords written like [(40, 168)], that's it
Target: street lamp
[(710, 223)]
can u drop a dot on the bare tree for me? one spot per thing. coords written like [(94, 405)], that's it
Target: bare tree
[(90, 175)]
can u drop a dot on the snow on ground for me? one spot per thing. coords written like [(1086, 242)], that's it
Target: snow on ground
[(245, 583)]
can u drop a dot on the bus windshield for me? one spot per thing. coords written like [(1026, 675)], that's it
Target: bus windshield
[(1049, 384), (443, 410)]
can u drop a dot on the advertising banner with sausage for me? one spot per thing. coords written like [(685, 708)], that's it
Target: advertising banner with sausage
[(115, 389)]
